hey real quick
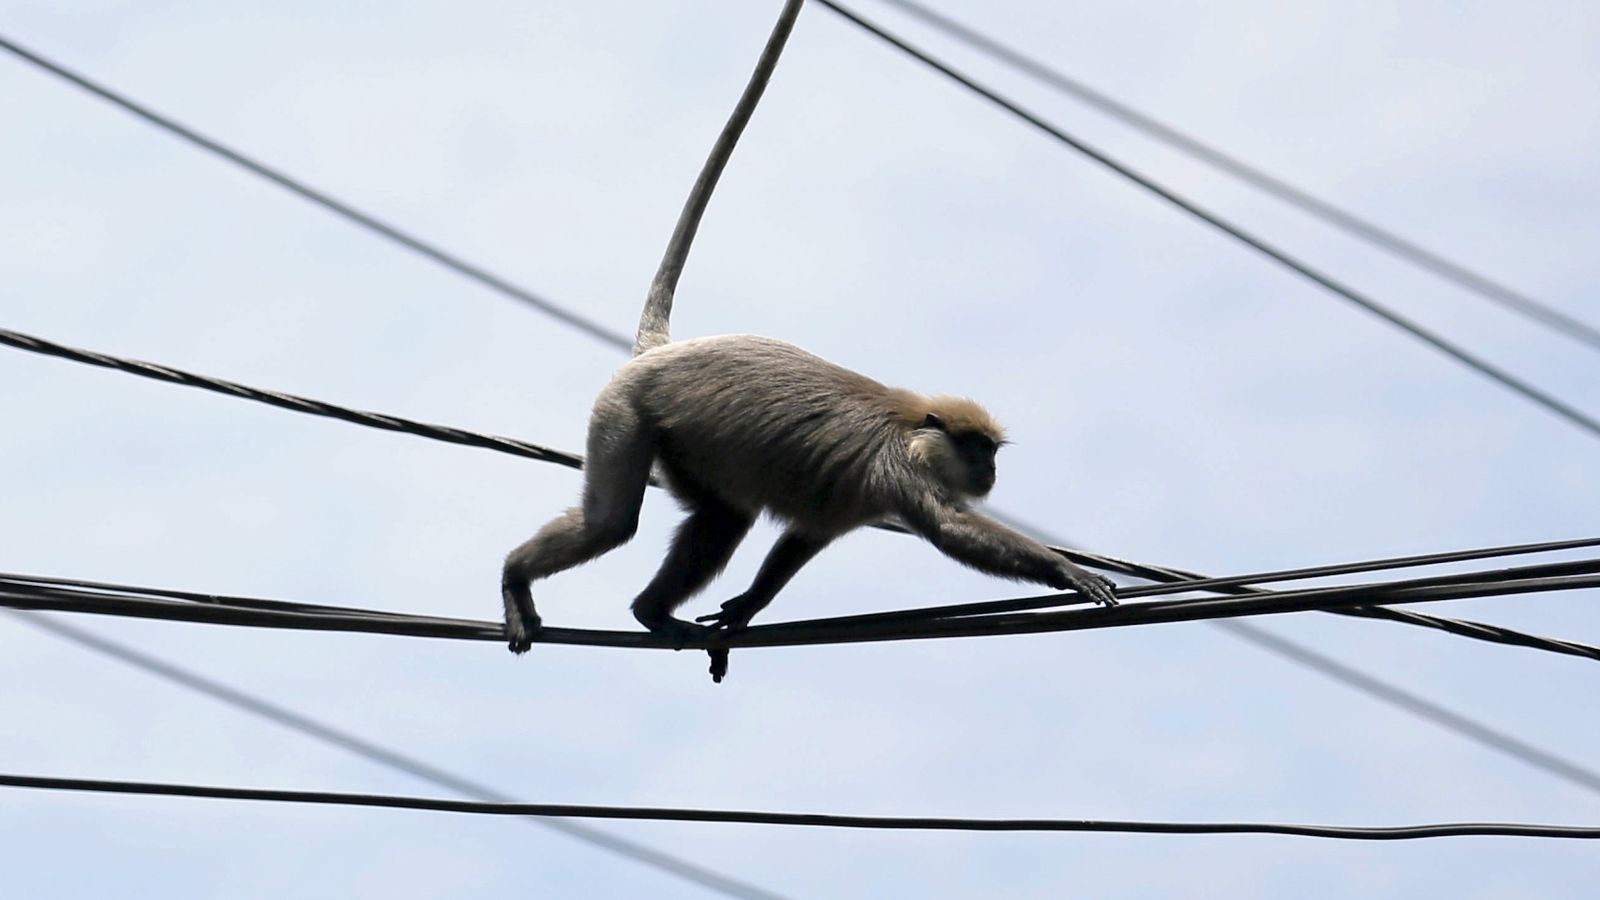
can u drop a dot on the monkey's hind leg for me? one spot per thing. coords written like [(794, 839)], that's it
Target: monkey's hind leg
[(615, 476), (793, 550), (700, 549)]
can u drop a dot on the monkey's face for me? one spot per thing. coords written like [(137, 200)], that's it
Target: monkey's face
[(976, 452), (963, 462)]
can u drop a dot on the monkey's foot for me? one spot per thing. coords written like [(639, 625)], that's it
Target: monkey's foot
[(676, 631), (520, 631), (734, 615)]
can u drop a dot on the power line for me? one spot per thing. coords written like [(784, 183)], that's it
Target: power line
[(326, 201), (610, 336), (814, 820), (386, 422), (1421, 707), (394, 760), (1561, 576), (1385, 691), (1481, 366), (291, 401), (1349, 222), (361, 219)]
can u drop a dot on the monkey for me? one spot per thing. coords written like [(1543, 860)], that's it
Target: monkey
[(741, 425)]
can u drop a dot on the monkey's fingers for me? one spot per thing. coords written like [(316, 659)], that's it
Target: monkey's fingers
[(1099, 589)]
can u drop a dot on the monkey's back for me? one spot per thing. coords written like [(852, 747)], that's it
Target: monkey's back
[(761, 424)]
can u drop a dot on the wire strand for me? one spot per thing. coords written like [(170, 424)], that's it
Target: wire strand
[(1362, 228), (393, 760), (813, 820), (326, 201), (295, 403), (475, 273), (1483, 367), (1561, 576)]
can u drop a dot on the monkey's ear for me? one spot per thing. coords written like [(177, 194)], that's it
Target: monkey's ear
[(932, 421)]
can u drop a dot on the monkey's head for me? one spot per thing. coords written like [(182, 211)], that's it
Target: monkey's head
[(957, 440)]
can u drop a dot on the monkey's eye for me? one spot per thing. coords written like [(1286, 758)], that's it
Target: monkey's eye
[(978, 444)]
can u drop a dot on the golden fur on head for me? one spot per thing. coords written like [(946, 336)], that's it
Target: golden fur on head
[(959, 414), (932, 447)]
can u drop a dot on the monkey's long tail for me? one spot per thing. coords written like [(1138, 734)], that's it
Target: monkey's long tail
[(654, 323)]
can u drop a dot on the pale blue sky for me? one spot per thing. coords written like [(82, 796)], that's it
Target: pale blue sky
[(1173, 398)]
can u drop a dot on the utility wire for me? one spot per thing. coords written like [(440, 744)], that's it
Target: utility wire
[(1481, 366), (1561, 576), (747, 817), (291, 401), (619, 340), (394, 760), (1406, 701), (326, 201), (367, 221), (1418, 706), (1349, 222), (528, 450)]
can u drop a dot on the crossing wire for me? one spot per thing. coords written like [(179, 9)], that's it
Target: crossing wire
[(1472, 361), (384, 229), (296, 403), (1318, 207), (372, 751), (1560, 576)]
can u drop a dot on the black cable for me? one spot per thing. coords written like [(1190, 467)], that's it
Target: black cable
[(390, 759), (326, 201), (1201, 583), (616, 339), (1415, 705), (1342, 219), (1561, 576), (1385, 691), (367, 221), (747, 817), (1345, 292), (292, 402), (528, 450)]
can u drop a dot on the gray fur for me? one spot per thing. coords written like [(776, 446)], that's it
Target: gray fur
[(742, 425)]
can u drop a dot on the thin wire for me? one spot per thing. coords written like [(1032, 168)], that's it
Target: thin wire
[(394, 760), (814, 820), (295, 403), (367, 221), (291, 401), (1412, 703), (1561, 576), (1483, 367), (1385, 691), (619, 340), (326, 201), (1349, 222)]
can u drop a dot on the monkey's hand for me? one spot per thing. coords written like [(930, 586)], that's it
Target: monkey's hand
[(1098, 588), (734, 615)]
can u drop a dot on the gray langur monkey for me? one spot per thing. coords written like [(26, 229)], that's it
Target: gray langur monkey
[(740, 425)]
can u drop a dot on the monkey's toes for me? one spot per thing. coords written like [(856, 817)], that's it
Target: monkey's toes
[(519, 634), (678, 632)]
